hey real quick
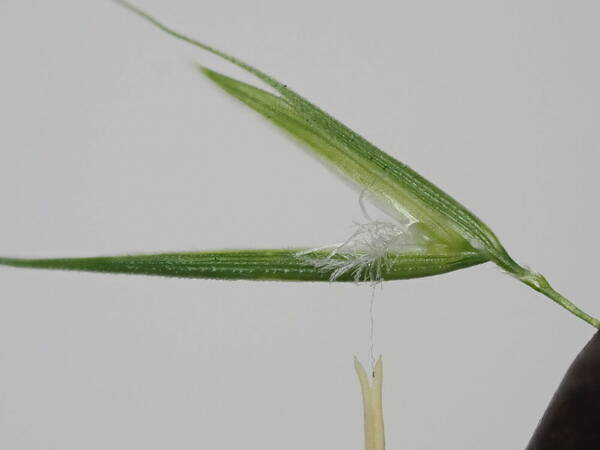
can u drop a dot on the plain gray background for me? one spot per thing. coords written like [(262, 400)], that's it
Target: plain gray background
[(112, 143)]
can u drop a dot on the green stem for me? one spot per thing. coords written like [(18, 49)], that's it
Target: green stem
[(540, 284)]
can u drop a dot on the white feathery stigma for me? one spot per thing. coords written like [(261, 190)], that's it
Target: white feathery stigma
[(370, 250)]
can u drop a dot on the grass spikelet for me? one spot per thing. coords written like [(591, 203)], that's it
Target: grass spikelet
[(441, 234)]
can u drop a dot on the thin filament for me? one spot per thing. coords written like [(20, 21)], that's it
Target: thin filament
[(372, 361)]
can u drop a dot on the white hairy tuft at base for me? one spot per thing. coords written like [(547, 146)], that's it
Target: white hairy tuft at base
[(369, 251)]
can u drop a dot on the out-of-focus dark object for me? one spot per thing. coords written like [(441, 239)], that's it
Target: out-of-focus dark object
[(572, 419)]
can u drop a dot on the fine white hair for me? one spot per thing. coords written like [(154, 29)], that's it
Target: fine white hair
[(368, 252)]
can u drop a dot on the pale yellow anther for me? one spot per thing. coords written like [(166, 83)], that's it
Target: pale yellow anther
[(371, 387)]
